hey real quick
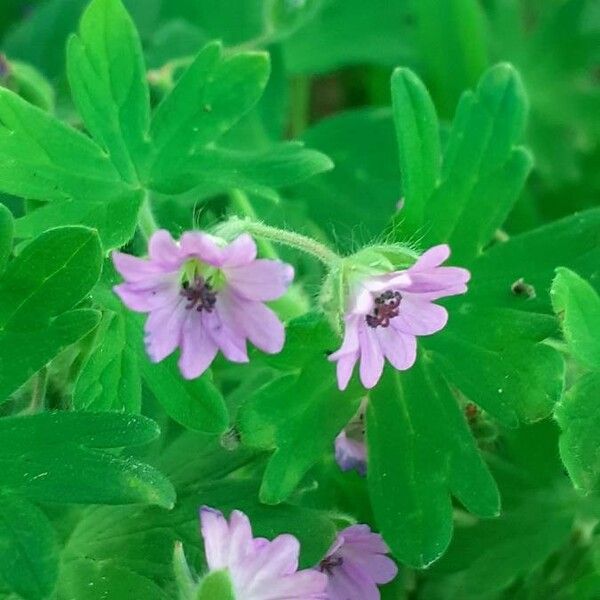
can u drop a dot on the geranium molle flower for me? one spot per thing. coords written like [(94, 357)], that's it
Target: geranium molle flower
[(204, 295), (356, 564), (387, 312), (259, 569)]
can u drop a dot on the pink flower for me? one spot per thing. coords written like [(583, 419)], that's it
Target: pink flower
[(204, 295), (356, 564), (350, 449), (259, 569), (387, 312)]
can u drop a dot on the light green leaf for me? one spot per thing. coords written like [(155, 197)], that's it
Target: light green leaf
[(52, 275), (28, 549), (577, 306), (215, 170), (480, 159), (6, 236), (110, 378), (420, 450), (208, 99), (216, 585), (115, 218), (452, 41), (418, 145), (107, 75), (31, 85), (52, 457), (300, 409), (578, 415)]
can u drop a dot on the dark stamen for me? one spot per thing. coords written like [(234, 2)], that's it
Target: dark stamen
[(200, 295), (386, 308), (329, 563)]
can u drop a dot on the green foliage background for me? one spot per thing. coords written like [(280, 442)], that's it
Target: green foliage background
[(483, 116)]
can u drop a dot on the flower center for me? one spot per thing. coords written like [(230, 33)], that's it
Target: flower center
[(329, 563), (199, 294), (386, 308)]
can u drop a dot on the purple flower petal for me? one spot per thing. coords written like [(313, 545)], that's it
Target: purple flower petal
[(371, 357), (419, 317), (203, 247), (163, 251), (242, 251), (399, 348), (350, 454), (198, 349), (261, 280)]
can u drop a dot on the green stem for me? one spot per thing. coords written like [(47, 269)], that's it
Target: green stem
[(146, 220), (284, 237), (243, 208), (300, 105)]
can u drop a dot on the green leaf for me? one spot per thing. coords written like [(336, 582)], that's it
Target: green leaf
[(214, 170), (114, 217), (6, 236), (110, 378), (413, 415), (480, 159), (497, 359), (208, 99), (578, 415), (300, 409), (30, 84), (418, 145), (53, 457), (28, 549), (107, 75), (573, 242), (452, 41), (52, 275), (44, 159), (216, 585), (577, 306)]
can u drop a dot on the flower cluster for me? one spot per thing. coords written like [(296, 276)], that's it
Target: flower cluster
[(260, 569), (204, 295)]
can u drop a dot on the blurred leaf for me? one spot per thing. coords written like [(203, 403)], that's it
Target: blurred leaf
[(414, 416), (578, 415), (6, 236), (108, 81), (216, 585), (300, 409), (353, 202), (451, 35), (354, 33), (31, 85), (418, 145), (483, 172), (110, 378), (577, 306), (52, 457), (52, 275), (28, 549)]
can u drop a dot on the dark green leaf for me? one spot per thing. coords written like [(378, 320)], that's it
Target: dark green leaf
[(480, 159), (577, 306), (300, 409), (578, 415), (420, 450), (6, 236), (48, 458), (108, 81), (28, 549), (110, 378), (418, 145)]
